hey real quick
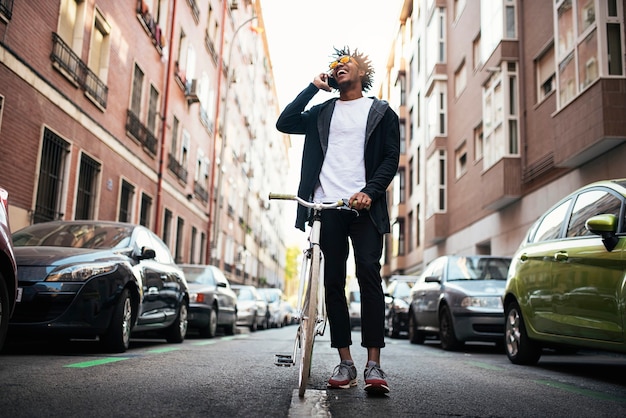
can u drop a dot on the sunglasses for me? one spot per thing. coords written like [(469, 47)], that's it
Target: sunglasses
[(343, 60)]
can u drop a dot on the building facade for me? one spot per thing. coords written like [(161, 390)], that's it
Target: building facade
[(506, 106), (146, 112)]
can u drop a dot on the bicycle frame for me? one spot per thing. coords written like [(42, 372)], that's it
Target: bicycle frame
[(311, 274)]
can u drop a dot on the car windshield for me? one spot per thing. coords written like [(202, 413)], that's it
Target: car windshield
[(198, 275), (76, 235), (403, 289), (477, 268), (243, 294)]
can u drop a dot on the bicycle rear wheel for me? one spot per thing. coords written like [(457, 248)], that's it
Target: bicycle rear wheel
[(309, 320)]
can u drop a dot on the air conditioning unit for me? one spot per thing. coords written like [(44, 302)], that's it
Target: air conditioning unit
[(191, 92)]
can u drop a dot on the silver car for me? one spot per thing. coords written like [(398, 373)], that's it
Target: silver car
[(458, 299)]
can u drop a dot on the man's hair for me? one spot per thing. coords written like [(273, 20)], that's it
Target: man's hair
[(362, 60)]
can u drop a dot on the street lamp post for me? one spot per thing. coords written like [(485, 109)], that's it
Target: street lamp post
[(220, 172)]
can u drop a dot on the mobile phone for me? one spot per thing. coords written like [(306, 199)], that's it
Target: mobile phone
[(332, 82)]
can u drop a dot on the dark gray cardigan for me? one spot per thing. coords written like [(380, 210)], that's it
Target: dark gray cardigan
[(382, 150)]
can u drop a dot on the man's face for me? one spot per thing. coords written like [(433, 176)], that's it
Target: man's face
[(346, 71)]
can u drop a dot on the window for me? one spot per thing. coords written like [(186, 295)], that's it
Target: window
[(192, 250), (436, 183), (435, 36), (6, 8), (99, 49), (477, 62), (550, 226), (153, 110), (402, 136), (135, 98), (1, 110), (174, 142), (72, 23), (436, 109), (145, 210), (411, 176), (478, 142), (167, 224), (500, 114), (50, 185), (461, 160), (418, 223), (546, 76), (585, 30), (460, 79), (588, 204), (409, 232), (398, 238), (458, 7), (127, 193), (401, 185), (178, 253), (87, 188)]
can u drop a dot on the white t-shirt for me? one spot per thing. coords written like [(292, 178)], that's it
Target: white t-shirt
[(343, 170)]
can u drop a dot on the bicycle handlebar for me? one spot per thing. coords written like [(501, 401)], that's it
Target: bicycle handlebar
[(313, 205)]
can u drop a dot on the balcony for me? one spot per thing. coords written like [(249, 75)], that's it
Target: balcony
[(140, 132), (501, 183), (436, 228), (591, 125), (200, 192), (71, 66), (177, 168), (150, 25)]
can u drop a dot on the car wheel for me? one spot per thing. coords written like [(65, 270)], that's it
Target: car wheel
[(117, 337), (254, 326), (394, 331), (231, 328), (519, 348), (176, 332), (415, 336), (4, 310), (211, 328), (447, 337)]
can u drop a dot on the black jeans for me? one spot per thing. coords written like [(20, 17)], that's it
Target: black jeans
[(367, 244)]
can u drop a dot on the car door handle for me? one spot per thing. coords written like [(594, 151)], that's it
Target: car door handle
[(561, 256)]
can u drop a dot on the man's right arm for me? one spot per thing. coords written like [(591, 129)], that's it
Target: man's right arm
[(292, 120)]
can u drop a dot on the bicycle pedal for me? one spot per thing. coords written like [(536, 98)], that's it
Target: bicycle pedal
[(283, 360)]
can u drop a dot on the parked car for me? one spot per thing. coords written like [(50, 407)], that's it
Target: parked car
[(459, 298), (354, 308), (567, 282), (274, 298), (97, 279), (212, 303), (252, 308), (8, 269), (397, 301)]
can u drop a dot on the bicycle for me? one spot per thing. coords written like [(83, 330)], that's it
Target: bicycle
[(311, 309)]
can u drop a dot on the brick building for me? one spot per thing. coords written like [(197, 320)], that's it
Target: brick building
[(147, 112), (506, 106)]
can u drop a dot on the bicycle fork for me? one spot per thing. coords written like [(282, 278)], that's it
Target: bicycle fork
[(287, 360)]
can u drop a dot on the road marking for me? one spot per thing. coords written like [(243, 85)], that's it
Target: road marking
[(314, 404), (91, 363), (579, 391)]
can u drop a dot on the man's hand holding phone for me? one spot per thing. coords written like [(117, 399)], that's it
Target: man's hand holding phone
[(325, 82)]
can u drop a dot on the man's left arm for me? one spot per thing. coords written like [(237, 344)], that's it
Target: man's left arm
[(385, 172)]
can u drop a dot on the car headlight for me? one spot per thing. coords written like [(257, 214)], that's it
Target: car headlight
[(400, 305), (492, 302), (80, 272)]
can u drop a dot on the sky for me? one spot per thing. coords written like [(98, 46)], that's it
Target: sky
[(301, 35)]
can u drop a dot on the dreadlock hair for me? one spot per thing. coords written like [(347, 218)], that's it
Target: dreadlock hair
[(363, 61)]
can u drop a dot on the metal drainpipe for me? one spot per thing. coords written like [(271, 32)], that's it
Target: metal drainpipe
[(168, 76), (220, 64)]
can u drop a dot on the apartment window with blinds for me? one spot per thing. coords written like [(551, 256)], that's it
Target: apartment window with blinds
[(180, 227), (192, 250), (87, 188), (145, 210), (167, 224), (135, 100), (127, 193), (54, 154), (546, 75)]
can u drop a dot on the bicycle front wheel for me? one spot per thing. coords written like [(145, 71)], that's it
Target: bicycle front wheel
[(309, 320)]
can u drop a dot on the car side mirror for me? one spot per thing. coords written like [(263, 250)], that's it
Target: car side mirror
[(221, 284), (146, 253), (606, 226), (432, 279)]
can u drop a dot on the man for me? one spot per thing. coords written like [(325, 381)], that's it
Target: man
[(351, 149)]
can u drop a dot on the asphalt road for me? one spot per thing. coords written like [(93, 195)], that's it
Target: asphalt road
[(236, 377)]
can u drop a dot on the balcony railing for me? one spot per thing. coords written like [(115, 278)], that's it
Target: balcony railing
[(140, 132), (150, 25), (201, 192), (76, 70), (177, 168)]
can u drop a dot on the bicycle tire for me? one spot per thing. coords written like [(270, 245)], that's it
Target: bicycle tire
[(308, 321)]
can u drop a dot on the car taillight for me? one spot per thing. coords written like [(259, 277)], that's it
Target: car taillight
[(200, 297)]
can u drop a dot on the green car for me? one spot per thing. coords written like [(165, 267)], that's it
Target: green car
[(566, 286)]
